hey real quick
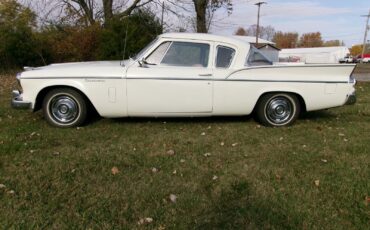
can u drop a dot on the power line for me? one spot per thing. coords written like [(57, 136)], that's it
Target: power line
[(365, 36), (162, 16), (258, 19)]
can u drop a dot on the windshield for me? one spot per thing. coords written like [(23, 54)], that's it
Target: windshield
[(257, 58), (138, 55)]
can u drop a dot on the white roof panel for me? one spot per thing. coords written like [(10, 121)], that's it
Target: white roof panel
[(252, 39)]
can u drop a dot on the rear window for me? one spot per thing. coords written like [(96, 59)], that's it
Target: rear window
[(225, 56), (256, 58)]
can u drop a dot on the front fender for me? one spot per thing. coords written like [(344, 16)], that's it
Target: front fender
[(106, 95), (33, 88)]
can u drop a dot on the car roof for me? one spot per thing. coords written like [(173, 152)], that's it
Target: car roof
[(207, 37)]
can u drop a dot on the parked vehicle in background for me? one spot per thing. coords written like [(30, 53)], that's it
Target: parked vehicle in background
[(363, 59), (355, 59), (347, 59), (185, 75), (366, 58)]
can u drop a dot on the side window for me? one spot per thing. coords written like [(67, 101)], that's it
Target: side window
[(187, 54), (157, 55), (225, 56), (256, 58)]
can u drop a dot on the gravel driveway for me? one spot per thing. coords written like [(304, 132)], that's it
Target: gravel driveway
[(362, 76)]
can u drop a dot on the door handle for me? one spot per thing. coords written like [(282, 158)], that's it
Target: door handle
[(205, 75)]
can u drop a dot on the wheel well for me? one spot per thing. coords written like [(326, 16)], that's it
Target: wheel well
[(299, 97), (41, 95)]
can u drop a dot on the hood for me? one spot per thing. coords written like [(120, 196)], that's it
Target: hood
[(79, 69)]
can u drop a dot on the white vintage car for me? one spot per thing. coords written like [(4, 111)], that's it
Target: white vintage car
[(187, 75)]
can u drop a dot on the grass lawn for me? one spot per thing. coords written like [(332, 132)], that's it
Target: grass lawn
[(225, 173)]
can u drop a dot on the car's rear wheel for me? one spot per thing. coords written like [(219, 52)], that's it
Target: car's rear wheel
[(64, 107), (278, 109)]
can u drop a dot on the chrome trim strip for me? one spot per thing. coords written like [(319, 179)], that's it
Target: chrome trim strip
[(296, 66), (237, 80), (290, 66), (72, 78), (289, 81), (189, 79)]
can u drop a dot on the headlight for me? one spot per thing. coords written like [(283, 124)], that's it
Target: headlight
[(19, 87)]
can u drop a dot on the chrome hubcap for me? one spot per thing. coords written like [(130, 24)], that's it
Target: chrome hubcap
[(64, 109), (279, 110)]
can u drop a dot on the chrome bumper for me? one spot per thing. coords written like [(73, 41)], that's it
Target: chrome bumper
[(17, 101), (351, 99)]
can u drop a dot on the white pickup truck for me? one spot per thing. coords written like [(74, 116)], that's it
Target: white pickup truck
[(187, 75), (347, 59)]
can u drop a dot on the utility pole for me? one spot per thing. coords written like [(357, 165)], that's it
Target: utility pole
[(365, 36), (162, 16), (258, 20)]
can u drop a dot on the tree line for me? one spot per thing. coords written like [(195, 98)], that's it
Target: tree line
[(78, 34), (34, 33), (287, 40)]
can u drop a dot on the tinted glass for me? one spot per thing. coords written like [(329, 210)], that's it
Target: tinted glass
[(156, 56), (187, 54), (256, 58), (225, 56), (137, 56)]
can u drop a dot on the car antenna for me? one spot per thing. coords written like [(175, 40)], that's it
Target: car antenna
[(125, 44)]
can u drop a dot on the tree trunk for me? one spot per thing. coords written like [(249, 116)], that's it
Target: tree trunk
[(86, 7), (134, 5), (200, 9), (108, 10)]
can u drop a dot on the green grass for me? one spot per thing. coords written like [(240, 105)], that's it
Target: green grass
[(62, 178)]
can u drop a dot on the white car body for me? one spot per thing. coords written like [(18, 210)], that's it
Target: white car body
[(131, 88)]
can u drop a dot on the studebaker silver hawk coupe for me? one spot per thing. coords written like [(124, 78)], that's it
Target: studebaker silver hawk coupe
[(185, 75)]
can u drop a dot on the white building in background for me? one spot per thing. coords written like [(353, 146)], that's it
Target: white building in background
[(314, 55)]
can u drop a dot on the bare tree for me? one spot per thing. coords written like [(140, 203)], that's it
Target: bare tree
[(108, 9), (265, 32), (200, 9), (87, 7), (241, 32), (93, 11), (205, 10)]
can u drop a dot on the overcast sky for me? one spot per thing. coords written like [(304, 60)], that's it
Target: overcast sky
[(335, 19)]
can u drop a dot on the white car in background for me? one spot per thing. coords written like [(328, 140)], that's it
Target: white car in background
[(347, 59), (185, 75)]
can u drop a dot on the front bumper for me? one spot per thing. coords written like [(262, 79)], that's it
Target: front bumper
[(17, 101), (351, 99)]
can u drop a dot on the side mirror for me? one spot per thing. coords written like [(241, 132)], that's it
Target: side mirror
[(143, 63)]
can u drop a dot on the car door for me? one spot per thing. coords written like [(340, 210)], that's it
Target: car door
[(229, 97), (176, 78)]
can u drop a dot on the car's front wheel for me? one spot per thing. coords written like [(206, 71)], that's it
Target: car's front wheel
[(278, 109), (64, 107)]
